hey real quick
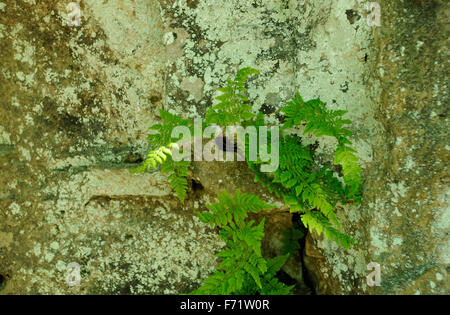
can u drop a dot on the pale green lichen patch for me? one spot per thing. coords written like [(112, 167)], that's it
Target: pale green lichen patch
[(124, 244)]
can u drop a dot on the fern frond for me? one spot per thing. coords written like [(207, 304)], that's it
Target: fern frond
[(232, 107), (161, 154), (318, 119), (270, 284), (303, 185), (155, 157), (346, 156), (315, 221), (240, 258), (163, 137), (178, 177), (321, 121), (232, 210), (242, 269)]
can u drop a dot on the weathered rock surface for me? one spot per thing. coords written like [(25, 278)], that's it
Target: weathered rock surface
[(75, 106), (76, 102), (403, 222)]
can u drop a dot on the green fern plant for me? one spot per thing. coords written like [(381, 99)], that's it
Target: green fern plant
[(233, 104), (161, 154), (307, 187), (320, 122), (243, 269)]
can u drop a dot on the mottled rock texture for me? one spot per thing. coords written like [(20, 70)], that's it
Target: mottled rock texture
[(403, 222), (76, 102)]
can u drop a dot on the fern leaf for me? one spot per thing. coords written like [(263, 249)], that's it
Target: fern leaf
[(161, 154), (315, 221), (242, 269), (232, 108), (233, 209), (345, 156), (321, 121)]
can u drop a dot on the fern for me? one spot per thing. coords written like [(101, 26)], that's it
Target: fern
[(155, 157), (163, 135), (314, 220), (242, 269), (304, 185), (320, 122), (232, 209), (345, 156), (232, 107), (164, 143)]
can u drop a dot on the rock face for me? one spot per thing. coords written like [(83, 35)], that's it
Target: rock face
[(404, 220), (76, 102), (75, 106)]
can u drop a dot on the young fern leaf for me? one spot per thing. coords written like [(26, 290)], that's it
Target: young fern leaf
[(232, 107), (155, 157), (315, 221), (163, 144)]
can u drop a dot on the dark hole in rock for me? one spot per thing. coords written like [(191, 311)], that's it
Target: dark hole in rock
[(281, 118), (197, 186), (2, 282), (48, 197), (344, 87), (313, 147), (352, 16), (285, 278), (298, 224), (267, 109), (337, 169), (133, 158), (155, 98), (70, 123)]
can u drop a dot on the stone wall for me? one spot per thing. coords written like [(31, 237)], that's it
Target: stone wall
[(76, 102)]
